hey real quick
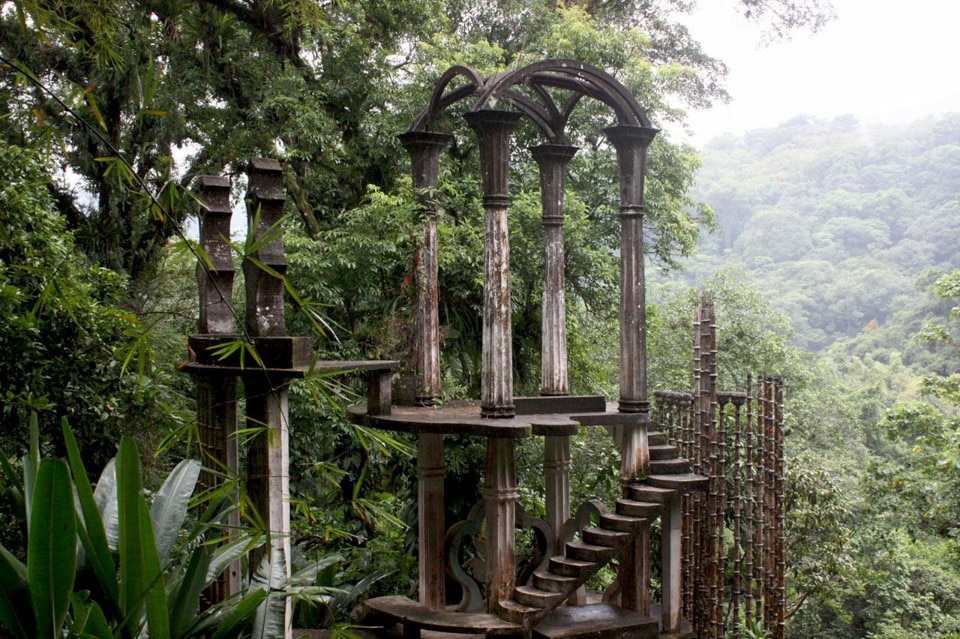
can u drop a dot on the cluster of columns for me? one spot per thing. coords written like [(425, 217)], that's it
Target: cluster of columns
[(265, 388), (735, 439), (494, 130)]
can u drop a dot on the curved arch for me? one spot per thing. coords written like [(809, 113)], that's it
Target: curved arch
[(440, 100), (578, 77)]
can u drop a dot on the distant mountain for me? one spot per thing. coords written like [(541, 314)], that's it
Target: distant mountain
[(841, 225)]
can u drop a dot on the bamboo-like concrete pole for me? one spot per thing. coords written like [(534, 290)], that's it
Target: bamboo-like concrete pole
[(217, 391)]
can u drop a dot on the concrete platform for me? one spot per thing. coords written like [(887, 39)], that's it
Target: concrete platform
[(597, 621)]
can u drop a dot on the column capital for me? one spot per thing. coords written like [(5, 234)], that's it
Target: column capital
[(494, 129), (423, 141), (631, 143)]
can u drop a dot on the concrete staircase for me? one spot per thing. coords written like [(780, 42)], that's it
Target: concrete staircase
[(535, 608), (643, 502)]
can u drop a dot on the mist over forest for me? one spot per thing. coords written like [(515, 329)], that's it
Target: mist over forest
[(849, 232), (829, 248), (844, 227)]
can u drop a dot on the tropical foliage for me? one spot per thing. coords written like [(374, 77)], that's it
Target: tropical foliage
[(103, 563), (846, 229), (112, 109)]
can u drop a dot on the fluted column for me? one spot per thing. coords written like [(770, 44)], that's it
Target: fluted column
[(556, 470), (494, 130), (424, 148), (500, 495), (553, 160), (432, 527), (670, 556), (631, 143)]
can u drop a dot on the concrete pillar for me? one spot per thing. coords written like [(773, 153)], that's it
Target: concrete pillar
[(424, 148), (494, 130), (268, 481)]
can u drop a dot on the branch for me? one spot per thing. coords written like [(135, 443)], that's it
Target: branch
[(796, 608), (261, 24)]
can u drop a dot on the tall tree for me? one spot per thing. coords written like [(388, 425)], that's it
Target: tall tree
[(176, 87)]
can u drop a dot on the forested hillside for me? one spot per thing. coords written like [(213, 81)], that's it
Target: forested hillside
[(842, 226), (850, 233), (112, 110)]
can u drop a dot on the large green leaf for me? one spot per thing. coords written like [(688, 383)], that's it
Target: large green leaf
[(89, 622), (52, 546), (132, 578), (16, 613), (270, 620), (92, 533), (239, 617), (31, 461), (186, 602), (158, 617), (140, 578), (230, 552), (169, 508), (106, 498)]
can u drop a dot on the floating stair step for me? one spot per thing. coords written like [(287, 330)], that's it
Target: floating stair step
[(597, 621), (589, 552), (553, 582), (639, 509), (650, 493), (664, 451), (604, 537), (570, 567), (536, 598), (624, 523), (513, 612), (676, 466), (657, 438), (684, 483)]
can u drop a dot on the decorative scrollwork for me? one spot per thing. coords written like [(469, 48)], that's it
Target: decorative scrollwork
[(470, 572), (540, 554), (472, 599), (587, 513)]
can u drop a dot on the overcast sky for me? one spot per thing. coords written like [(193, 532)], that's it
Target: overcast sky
[(884, 61)]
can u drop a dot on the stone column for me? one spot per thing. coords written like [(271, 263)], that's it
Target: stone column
[(494, 130), (670, 555), (635, 573), (432, 527), (424, 148), (500, 495), (268, 480), (556, 470), (552, 160), (217, 392), (631, 143)]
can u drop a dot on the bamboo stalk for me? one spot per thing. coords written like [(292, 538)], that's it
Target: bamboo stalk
[(737, 528), (780, 630)]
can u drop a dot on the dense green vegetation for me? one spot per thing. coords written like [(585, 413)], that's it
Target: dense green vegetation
[(833, 266), (850, 232), (843, 227)]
